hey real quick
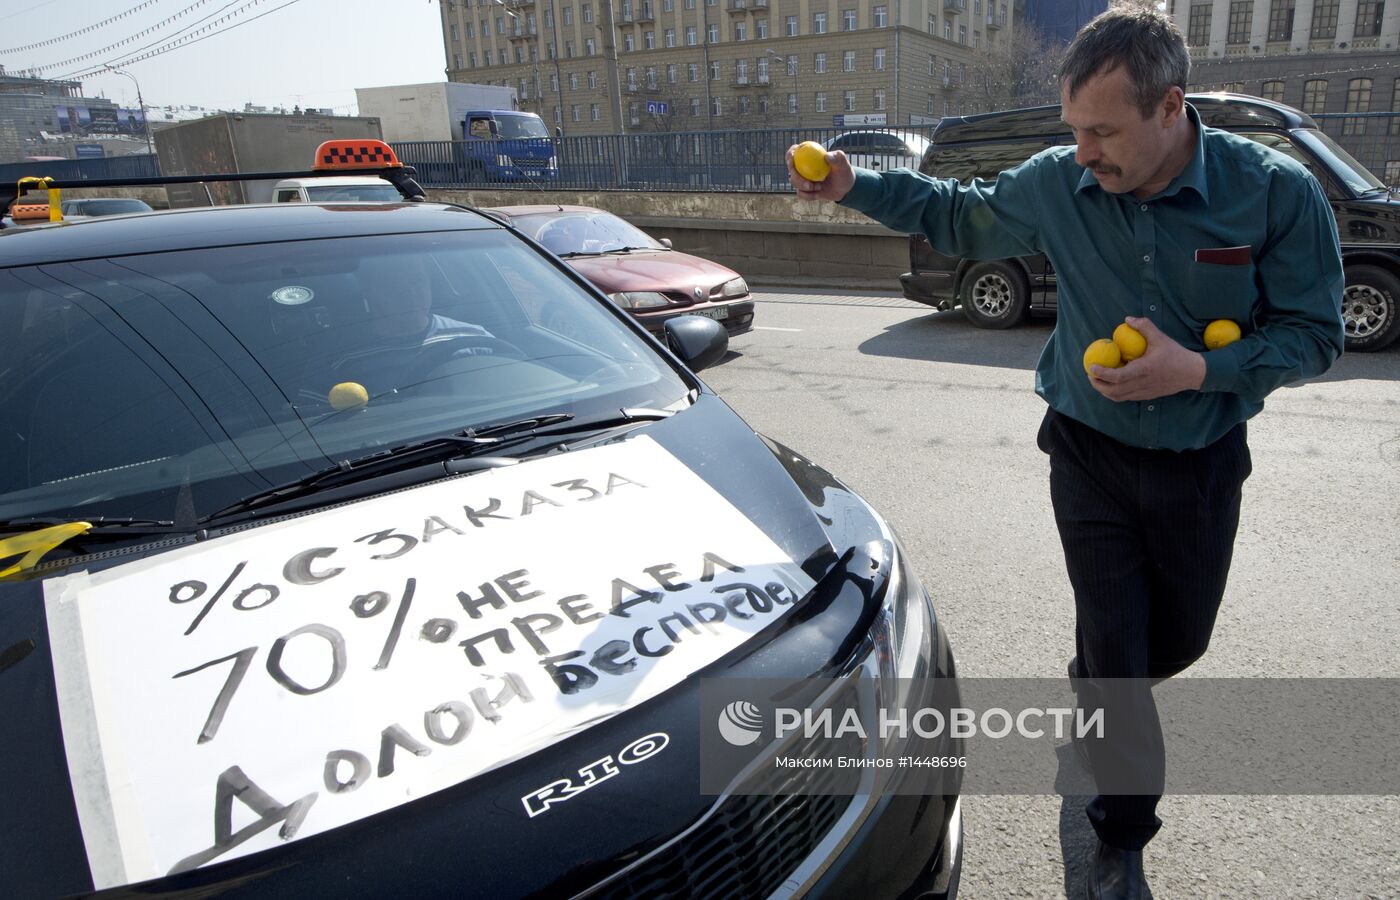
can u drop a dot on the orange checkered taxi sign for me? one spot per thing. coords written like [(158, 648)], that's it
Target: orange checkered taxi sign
[(357, 154), (30, 212)]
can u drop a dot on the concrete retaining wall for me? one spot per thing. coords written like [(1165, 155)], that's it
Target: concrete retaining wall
[(767, 238)]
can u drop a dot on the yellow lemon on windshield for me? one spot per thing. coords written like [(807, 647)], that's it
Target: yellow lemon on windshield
[(1221, 332), (348, 395), (1131, 343), (809, 159), (1102, 352)]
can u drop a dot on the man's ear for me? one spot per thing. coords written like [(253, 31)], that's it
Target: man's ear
[(1172, 107)]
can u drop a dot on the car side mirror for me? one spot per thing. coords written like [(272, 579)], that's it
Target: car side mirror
[(666, 242), (698, 341)]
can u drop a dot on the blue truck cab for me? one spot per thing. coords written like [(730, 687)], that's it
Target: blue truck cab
[(507, 145)]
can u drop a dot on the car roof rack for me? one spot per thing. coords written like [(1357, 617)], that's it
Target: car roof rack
[(360, 157)]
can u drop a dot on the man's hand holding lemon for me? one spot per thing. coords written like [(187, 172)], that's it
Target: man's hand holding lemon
[(1164, 368), (805, 162)]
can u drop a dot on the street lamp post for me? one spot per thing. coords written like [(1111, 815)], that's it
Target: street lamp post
[(145, 120)]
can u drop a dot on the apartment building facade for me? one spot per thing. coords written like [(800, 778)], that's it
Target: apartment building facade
[(694, 65)]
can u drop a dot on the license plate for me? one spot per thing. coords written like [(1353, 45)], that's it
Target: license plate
[(714, 312)]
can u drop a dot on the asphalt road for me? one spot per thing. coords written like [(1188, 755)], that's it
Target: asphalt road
[(934, 422)]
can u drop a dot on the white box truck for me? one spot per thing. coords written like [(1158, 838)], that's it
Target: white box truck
[(430, 112)]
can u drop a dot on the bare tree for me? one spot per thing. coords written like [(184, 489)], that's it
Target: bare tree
[(1018, 71)]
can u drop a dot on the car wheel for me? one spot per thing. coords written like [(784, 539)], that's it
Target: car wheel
[(1369, 308), (995, 294)]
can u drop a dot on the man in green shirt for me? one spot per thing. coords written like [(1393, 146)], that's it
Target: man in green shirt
[(1157, 221)]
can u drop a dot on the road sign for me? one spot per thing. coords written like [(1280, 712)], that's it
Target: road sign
[(89, 151), (849, 119), (658, 108)]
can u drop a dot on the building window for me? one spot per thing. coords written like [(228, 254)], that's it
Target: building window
[(1358, 101), (790, 26), (879, 99), (558, 116), (1392, 172), (593, 81), (819, 64), (928, 108), (456, 60), (1315, 96), (741, 71), (568, 49), (716, 70), (690, 38), (792, 66), (1281, 20), (877, 61), (962, 34), (590, 47), (668, 5), (651, 77), (1198, 29), (741, 31), (670, 37), (717, 106), (1241, 12), (692, 72), (689, 4), (634, 112), (1272, 90), (848, 20), (569, 20), (1368, 18), (454, 31), (1233, 87), (649, 40), (882, 16), (1324, 19), (714, 34), (932, 64), (588, 13), (594, 114), (932, 24), (628, 43), (671, 70), (761, 64), (761, 28), (554, 82), (848, 61), (471, 58), (792, 104), (848, 101), (1395, 107), (695, 107), (471, 30), (820, 101), (744, 105), (505, 58), (948, 30), (819, 23), (576, 112)]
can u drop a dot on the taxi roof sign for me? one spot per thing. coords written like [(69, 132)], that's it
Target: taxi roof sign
[(345, 155), (30, 212)]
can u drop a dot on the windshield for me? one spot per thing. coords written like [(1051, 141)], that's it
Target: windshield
[(1352, 173), (585, 232), (511, 128), (136, 386), (105, 207), (381, 191)]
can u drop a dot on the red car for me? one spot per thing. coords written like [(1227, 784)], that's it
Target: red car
[(641, 274)]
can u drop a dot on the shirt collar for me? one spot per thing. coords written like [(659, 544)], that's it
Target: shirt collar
[(1193, 176)]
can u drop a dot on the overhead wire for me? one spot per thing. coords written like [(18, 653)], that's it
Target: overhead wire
[(127, 40), (72, 34)]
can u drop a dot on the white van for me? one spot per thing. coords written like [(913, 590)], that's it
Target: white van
[(320, 190)]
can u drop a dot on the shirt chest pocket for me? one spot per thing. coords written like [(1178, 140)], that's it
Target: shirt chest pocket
[(1222, 290)]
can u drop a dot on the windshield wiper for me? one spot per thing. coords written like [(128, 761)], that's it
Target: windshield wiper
[(100, 524), (1378, 189), (627, 249), (433, 457), (573, 253)]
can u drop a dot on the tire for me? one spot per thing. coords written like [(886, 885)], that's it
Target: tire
[(995, 294), (1370, 308)]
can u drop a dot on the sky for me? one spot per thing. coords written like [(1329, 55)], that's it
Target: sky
[(303, 52)]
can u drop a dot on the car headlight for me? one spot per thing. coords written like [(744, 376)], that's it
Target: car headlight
[(735, 287), (905, 634), (640, 299), (504, 161)]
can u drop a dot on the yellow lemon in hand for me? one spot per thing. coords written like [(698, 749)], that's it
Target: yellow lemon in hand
[(1102, 352), (809, 159), (1131, 343), (348, 395), (1221, 332)]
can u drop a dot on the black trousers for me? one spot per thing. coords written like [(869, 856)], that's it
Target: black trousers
[(1147, 536)]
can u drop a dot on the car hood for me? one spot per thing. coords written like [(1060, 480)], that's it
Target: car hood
[(1368, 220), (652, 270), (401, 672)]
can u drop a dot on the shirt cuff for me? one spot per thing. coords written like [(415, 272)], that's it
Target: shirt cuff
[(865, 194), (1222, 370)]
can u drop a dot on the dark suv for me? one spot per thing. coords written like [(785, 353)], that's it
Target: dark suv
[(1001, 293)]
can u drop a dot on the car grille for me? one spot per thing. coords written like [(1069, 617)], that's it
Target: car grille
[(749, 845)]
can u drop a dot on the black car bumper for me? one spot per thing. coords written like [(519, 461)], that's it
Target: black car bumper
[(736, 317)]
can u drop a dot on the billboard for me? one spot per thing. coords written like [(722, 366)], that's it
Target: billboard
[(99, 120)]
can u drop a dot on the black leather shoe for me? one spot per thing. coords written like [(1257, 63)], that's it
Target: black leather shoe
[(1116, 875)]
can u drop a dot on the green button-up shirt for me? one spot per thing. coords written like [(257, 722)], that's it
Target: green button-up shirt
[(1117, 256)]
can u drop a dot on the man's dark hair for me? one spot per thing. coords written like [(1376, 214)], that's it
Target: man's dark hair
[(1139, 38)]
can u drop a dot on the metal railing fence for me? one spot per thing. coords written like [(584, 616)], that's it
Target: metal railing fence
[(143, 166)]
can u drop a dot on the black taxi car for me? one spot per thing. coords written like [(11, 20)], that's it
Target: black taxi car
[(327, 569), (1002, 293)]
